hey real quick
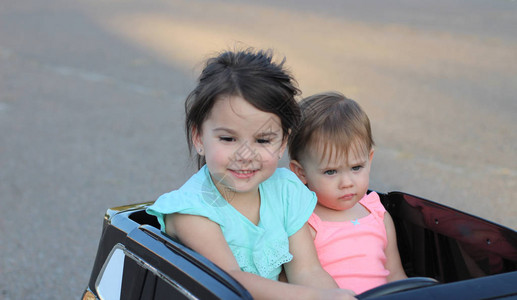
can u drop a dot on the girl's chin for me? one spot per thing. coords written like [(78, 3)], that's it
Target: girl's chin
[(235, 188), (243, 189)]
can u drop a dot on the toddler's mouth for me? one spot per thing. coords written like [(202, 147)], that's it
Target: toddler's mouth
[(347, 197)]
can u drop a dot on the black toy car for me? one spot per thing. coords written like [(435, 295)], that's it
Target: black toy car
[(446, 253)]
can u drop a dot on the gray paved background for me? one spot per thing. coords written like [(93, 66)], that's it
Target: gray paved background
[(91, 96)]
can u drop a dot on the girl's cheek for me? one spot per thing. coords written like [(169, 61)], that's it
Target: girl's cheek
[(271, 155)]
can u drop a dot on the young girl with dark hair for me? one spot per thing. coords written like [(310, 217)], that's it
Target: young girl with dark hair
[(239, 210)]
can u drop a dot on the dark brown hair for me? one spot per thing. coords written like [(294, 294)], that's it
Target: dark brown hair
[(250, 74)]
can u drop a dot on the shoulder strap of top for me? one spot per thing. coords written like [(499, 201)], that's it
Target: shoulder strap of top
[(372, 201), (314, 221)]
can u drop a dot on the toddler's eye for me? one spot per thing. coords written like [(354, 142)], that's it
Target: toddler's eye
[(357, 168), (330, 172), (226, 139)]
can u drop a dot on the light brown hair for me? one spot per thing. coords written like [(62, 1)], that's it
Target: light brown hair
[(330, 121)]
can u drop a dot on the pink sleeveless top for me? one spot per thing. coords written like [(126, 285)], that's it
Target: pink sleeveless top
[(352, 252)]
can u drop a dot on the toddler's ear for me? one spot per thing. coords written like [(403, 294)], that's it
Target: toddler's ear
[(370, 155), (297, 169)]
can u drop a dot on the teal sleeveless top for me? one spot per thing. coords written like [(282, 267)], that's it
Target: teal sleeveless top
[(262, 249)]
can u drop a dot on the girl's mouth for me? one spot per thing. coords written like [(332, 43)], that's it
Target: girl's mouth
[(243, 173)]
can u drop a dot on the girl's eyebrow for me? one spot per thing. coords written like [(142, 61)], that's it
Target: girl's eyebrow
[(267, 133), (260, 134), (228, 130)]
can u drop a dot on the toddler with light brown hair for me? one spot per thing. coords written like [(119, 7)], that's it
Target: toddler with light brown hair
[(332, 152)]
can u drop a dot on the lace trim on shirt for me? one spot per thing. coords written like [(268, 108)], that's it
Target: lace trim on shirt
[(265, 260)]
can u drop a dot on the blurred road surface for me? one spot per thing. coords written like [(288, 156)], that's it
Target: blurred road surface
[(91, 97)]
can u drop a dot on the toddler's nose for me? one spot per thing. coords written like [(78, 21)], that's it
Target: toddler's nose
[(345, 181)]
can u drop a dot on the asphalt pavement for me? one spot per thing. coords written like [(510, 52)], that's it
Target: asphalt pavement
[(91, 107)]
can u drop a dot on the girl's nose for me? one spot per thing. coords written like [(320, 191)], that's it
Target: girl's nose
[(245, 153), (246, 157)]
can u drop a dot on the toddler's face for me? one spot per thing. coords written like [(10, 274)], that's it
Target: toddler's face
[(241, 144), (339, 182)]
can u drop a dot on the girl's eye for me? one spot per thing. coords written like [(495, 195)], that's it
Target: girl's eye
[(330, 172), (357, 168), (263, 141), (226, 139)]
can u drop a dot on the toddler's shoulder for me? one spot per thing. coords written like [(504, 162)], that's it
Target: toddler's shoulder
[(372, 201)]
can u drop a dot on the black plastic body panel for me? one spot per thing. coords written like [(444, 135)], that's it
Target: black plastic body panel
[(446, 244), (165, 257), (472, 258)]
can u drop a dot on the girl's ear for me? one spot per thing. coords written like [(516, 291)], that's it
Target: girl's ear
[(284, 144), (197, 142), (282, 148), (297, 169)]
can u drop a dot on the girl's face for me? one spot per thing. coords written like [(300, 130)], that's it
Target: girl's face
[(241, 145), (339, 183)]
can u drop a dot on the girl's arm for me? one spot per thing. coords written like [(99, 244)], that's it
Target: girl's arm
[(206, 238), (305, 268), (393, 263)]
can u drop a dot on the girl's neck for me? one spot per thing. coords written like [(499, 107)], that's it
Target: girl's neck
[(247, 203)]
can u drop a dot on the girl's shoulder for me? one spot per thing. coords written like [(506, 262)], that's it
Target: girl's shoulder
[(285, 185), (282, 173), (197, 197), (187, 202), (286, 198), (284, 176)]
